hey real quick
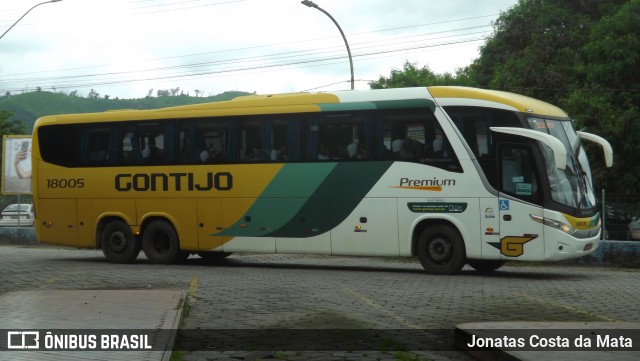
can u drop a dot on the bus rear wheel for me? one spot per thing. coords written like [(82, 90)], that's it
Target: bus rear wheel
[(160, 242), (441, 250), (118, 243)]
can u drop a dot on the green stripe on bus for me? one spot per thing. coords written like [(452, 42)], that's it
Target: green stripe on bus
[(305, 200), (380, 104), (288, 192), (405, 103), (338, 195), (347, 106)]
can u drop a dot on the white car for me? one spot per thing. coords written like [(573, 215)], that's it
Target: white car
[(634, 229), (17, 215)]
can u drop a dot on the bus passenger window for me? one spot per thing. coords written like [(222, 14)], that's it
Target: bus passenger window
[(339, 136), (152, 143), (414, 135), (213, 143), (94, 146), (98, 152)]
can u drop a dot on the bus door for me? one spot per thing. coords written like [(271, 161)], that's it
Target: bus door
[(520, 198)]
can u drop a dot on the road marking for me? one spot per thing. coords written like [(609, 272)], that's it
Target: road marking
[(378, 307), (569, 308), (193, 289), (59, 277)]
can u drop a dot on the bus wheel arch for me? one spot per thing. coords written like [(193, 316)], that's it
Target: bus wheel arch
[(160, 241), (118, 243), (439, 247)]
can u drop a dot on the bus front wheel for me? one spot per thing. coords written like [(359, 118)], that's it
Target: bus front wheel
[(118, 243), (160, 242), (441, 250)]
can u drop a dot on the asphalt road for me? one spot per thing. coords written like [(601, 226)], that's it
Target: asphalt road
[(248, 294)]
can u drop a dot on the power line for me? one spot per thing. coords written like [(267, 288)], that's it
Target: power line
[(317, 56), (241, 69)]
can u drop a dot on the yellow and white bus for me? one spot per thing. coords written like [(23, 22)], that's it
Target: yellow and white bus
[(451, 175)]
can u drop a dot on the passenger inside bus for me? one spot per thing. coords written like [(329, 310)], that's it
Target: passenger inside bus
[(210, 155), (98, 153)]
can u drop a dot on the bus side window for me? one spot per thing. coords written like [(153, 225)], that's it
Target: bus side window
[(130, 146), (339, 136), (414, 135), (95, 144), (215, 140), (153, 143), (187, 153)]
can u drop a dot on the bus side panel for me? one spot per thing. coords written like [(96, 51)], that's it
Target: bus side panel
[(370, 230), (86, 224), (301, 225), (210, 223), (181, 212), (250, 221), (521, 238), (490, 229), (462, 213), (60, 225)]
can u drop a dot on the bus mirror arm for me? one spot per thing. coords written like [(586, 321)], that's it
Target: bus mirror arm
[(559, 151), (606, 147)]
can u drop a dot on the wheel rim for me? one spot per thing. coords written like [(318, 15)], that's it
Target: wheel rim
[(118, 242), (440, 250)]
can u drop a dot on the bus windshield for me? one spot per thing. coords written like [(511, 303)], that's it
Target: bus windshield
[(572, 186)]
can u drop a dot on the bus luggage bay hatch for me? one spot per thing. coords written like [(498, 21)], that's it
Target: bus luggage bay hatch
[(450, 175)]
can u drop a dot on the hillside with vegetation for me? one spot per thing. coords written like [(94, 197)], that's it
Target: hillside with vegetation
[(28, 107)]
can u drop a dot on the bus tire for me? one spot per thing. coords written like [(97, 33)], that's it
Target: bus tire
[(485, 266), (118, 243), (441, 250), (160, 242)]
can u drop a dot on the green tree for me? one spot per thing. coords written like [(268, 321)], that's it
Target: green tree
[(533, 48), (93, 94), (608, 100), (411, 76), (580, 55), (10, 126)]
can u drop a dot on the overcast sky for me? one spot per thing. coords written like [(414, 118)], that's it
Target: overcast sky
[(124, 48)]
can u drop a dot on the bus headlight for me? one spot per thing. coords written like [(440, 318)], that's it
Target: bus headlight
[(554, 224)]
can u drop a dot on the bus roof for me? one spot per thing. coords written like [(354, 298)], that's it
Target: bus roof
[(267, 104), (325, 101), (520, 102)]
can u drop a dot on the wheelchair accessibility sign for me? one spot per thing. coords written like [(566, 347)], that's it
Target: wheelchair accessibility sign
[(504, 205)]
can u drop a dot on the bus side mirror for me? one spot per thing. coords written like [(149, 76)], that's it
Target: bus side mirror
[(559, 151), (606, 147)]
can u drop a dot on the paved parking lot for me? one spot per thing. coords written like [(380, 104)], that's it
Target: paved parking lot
[(250, 293)]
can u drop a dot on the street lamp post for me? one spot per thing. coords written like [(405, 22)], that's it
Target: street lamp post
[(25, 14), (311, 4)]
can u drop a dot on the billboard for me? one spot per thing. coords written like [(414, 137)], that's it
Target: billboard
[(16, 164)]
